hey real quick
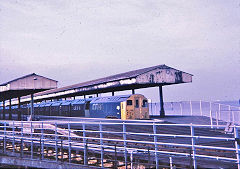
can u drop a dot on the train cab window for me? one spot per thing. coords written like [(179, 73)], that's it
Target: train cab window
[(137, 104), (145, 103), (129, 102)]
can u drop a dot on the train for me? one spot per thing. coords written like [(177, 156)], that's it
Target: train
[(134, 106)]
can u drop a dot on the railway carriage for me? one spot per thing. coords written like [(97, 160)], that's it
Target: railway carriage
[(78, 108), (122, 107), (65, 108)]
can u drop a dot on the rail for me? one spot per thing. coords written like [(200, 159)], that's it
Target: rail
[(111, 143)]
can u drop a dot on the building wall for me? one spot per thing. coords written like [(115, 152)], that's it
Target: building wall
[(164, 76), (33, 82)]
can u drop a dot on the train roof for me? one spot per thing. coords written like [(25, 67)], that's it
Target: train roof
[(110, 99), (78, 101), (66, 102), (56, 103)]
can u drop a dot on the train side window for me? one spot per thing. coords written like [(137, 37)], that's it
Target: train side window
[(87, 105), (137, 104), (145, 103), (129, 102)]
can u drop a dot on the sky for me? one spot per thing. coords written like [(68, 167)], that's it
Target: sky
[(74, 41)]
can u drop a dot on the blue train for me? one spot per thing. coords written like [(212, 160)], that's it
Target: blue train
[(123, 107)]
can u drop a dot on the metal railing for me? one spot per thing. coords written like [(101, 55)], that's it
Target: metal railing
[(112, 143), (217, 112)]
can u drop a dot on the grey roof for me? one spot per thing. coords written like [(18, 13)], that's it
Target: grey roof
[(121, 76), (32, 74), (66, 102), (78, 101), (108, 99)]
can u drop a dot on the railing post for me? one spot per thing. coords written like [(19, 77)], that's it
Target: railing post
[(85, 144), (191, 109), (193, 147), (229, 113), (13, 135), (101, 143), (210, 111), (131, 159), (4, 144), (40, 145), (219, 111), (181, 109), (237, 145), (155, 144), (200, 106), (86, 155), (21, 139), (171, 163), (31, 141), (233, 117), (238, 115), (125, 143), (69, 143), (21, 148), (115, 156), (56, 141), (62, 150), (42, 137)]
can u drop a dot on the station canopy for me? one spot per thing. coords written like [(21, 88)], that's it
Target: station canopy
[(25, 85), (159, 75)]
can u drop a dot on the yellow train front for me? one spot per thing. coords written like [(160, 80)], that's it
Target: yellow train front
[(122, 107)]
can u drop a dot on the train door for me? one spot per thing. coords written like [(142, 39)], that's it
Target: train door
[(123, 111), (87, 107), (136, 113), (130, 108)]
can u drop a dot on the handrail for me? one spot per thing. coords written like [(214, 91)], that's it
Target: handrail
[(99, 138)]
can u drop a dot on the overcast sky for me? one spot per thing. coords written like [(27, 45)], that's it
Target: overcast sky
[(73, 41)]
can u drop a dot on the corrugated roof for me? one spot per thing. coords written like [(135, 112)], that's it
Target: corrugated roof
[(121, 76)]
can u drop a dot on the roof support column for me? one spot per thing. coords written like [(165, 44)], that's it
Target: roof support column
[(133, 91), (32, 108), (113, 93), (4, 110), (97, 94), (162, 112), (10, 110), (19, 108)]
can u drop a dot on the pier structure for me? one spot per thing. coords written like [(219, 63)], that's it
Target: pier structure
[(155, 76)]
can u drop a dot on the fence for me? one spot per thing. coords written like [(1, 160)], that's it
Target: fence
[(112, 143), (216, 111)]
